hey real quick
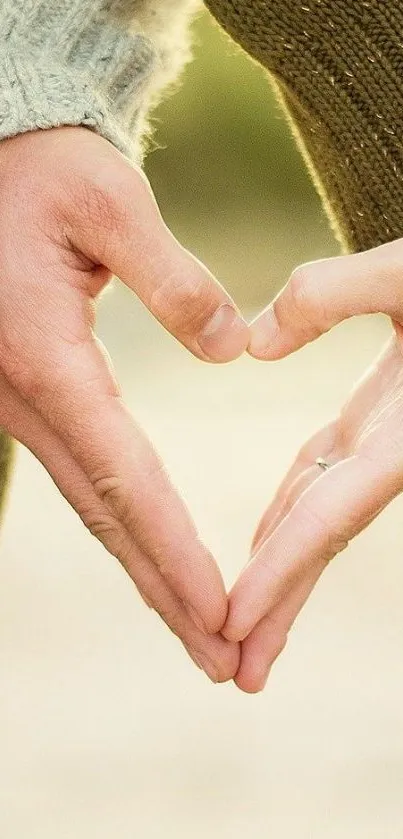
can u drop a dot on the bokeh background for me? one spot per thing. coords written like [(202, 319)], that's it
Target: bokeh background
[(107, 730), (228, 176)]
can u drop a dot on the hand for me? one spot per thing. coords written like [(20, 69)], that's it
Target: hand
[(316, 513), (73, 212)]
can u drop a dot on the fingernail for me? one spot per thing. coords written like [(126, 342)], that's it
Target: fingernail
[(264, 334), (196, 618), (225, 336), (203, 663)]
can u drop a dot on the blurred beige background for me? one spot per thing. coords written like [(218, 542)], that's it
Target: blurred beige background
[(107, 729)]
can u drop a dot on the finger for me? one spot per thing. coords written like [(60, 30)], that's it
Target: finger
[(268, 639), (295, 489), (324, 441), (335, 440), (218, 657), (117, 223), (321, 294), (337, 506), (73, 389)]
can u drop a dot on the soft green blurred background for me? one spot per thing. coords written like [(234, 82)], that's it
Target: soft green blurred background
[(107, 730), (228, 176)]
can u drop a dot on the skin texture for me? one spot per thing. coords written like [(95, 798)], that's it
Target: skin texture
[(316, 513), (74, 212)]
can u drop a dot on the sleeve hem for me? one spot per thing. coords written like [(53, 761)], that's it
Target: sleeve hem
[(39, 94)]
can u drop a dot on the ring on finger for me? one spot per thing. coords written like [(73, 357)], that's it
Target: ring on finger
[(322, 463)]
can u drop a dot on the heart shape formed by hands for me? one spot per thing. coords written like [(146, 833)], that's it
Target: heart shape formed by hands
[(83, 214)]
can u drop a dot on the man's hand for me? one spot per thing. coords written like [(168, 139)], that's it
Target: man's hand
[(317, 511), (73, 212)]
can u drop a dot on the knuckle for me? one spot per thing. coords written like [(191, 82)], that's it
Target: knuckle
[(110, 490), (184, 303), (306, 299), (172, 616), (105, 529)]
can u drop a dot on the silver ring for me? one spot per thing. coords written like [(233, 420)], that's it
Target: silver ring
[(322, 463)]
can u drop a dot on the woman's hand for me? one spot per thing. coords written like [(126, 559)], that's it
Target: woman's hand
[(317, 511), (73, 212)]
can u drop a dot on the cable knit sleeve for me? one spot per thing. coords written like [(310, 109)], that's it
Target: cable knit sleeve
[(97, 63)]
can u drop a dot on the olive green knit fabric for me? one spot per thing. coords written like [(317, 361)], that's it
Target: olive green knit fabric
[(337, 67)]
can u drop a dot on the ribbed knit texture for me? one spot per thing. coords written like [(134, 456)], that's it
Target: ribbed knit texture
[(337, 66), (97, 63)]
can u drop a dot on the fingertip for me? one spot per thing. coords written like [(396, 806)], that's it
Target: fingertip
[(265, 354), (269, 341), (259, 652), (230, 662), (244, 610), (232, 634), (254, 670), (225, 337), (265, 336), (235, 628), (251, 684), (203, 591), (221, 662), (222, 614), (214, 616)]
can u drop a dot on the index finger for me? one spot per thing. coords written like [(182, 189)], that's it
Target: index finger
[(74, 391)]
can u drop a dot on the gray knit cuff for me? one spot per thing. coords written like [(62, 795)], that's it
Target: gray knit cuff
[(36, 93)]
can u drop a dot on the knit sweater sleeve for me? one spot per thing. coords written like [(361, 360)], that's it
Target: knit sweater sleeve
[(337, 67), (97, 63)]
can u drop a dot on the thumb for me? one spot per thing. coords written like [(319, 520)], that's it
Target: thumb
[(118, 224), (321, 294)]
